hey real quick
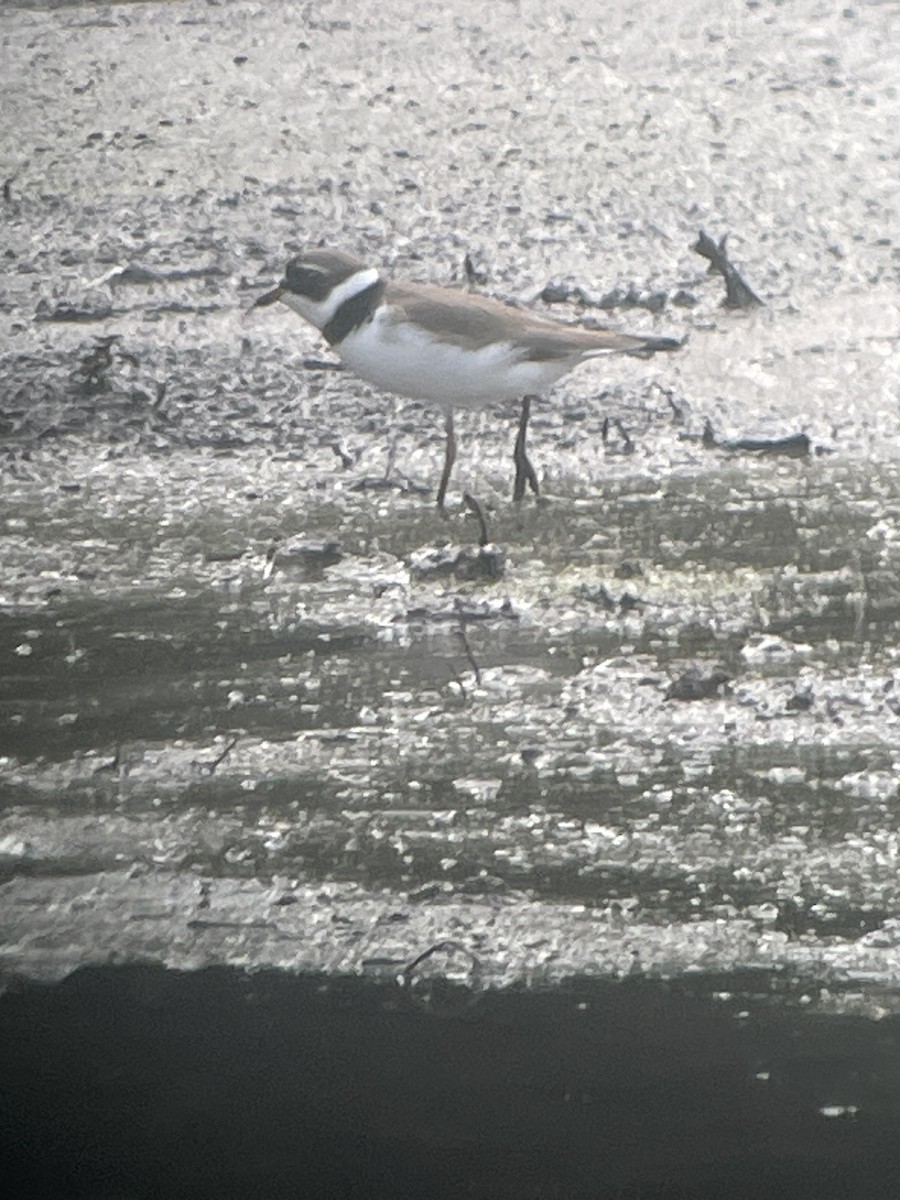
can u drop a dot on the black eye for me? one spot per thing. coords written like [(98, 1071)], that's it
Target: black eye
[(306, 281)]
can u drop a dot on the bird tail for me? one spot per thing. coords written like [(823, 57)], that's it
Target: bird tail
[(650, 345), (637, 344)]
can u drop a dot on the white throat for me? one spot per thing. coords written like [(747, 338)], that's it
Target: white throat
[(320, 312)]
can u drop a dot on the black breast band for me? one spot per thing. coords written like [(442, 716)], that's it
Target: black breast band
[(353, 312)]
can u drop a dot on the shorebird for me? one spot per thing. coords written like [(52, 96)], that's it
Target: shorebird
[(444, 347)]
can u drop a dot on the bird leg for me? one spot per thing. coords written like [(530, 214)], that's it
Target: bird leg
[(449, 460), (525, 472)]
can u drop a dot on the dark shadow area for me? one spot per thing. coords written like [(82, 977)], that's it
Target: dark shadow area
[(141, 1082)]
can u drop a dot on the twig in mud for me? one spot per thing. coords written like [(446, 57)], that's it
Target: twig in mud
[(347, 460), (738, 293), (100, 355), (628, 444), (794, 445), (615, 423), (474, 275), (322, 364), (96, 363), (699, 683), (381, 483), (456, 947), (211, 767), (113, 764), (473, 506), (676, 406), (269, 564), (391, 458), (468, 649)]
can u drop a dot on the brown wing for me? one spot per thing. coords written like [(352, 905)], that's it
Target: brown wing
[(466, 319), (457, 317), (546, 341)]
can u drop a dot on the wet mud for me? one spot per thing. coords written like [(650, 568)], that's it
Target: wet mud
[(261, 707)]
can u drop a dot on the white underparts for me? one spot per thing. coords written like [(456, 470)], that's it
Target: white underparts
[(400, 357)]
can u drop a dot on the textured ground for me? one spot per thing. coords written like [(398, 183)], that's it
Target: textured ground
[(250, 714)]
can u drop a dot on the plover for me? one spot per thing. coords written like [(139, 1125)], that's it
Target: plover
[(444, 347)]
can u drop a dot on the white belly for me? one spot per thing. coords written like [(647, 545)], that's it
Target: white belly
[(397, 358)]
